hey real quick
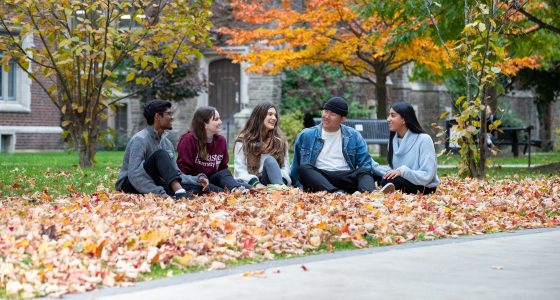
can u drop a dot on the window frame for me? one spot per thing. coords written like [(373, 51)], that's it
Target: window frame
[(20, 100)]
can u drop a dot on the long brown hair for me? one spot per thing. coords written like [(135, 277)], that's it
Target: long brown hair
[(255, 133), (202, 115)]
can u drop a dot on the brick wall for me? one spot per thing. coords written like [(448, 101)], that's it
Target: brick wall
[(43, 113), (38, 141)]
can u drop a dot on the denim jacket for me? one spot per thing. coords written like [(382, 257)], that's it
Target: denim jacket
[(309, 144)]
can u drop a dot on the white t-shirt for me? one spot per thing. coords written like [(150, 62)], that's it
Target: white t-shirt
[(331, 158)]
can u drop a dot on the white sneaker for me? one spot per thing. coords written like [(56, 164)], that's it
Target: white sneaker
[(388, 188), (239, 190), (339, 193)]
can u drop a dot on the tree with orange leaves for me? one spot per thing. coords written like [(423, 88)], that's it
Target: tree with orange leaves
[(370, 44)]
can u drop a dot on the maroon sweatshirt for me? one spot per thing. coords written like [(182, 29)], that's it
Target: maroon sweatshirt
[(190, 163)]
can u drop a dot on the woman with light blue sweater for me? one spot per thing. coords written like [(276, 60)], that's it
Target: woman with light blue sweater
[(411, 155)]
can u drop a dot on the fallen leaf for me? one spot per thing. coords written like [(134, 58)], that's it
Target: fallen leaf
[(260, 273)]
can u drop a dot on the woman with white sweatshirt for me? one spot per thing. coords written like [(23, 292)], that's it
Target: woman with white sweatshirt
[(261, 150), (411, 155)]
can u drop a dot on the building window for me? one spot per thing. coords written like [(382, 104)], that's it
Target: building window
[(121, 119), (15, 88), (8, 80), (12, 81), (7, 142)]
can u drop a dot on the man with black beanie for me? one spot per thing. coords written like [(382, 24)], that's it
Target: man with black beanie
[(333, 157), (149, 163)]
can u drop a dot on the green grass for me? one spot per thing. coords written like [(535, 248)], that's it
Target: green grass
[(56, 172), (502, 173), (59, 174), (506, 158)]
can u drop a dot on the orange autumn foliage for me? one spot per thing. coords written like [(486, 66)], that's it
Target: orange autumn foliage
[(329, 31), (511, 66)]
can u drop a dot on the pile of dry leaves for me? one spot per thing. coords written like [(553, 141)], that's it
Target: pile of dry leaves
[(78, 242)]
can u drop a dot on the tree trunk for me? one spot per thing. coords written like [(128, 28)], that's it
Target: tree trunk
[(381, 94), (492, 93), (490, 96), (86, 154), (86, 148), (544, 109)]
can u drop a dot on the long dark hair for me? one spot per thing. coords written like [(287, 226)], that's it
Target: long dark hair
[(255, 133), (202, 115), (406, 111)]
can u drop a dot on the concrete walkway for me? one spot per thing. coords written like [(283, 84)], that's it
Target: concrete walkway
[(519, 265)]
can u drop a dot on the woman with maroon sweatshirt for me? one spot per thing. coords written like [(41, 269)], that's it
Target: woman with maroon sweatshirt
[(204, 150)]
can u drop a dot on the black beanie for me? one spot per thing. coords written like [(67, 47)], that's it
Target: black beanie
[(337, 105)]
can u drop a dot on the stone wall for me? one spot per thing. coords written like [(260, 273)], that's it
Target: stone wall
[(183, 113), (261, 88)]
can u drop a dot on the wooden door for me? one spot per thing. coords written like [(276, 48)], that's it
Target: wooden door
[(224, 88)]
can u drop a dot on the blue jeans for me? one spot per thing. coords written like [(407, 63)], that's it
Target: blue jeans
[(271, 173)]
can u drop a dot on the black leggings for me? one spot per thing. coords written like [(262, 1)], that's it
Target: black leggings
[(161, 169), (221, 181)]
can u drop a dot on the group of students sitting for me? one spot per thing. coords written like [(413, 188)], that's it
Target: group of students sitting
[(328, 157)]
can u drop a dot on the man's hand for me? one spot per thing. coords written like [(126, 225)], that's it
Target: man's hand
[(260, 186), (392, 174), (203, 182)]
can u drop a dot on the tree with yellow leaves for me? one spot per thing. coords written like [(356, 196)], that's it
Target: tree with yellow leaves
[(482, 53), (75, 51)]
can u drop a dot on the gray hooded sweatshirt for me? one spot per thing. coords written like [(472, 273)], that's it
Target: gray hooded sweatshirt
[(138, 150)]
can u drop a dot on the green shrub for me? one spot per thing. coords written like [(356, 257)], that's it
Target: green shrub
[(306, 88), (291, 123)]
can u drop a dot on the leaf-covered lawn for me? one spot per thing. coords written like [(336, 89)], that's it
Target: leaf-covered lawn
[(80, 242)]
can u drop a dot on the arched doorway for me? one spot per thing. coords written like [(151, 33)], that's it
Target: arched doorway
[(224, 88)]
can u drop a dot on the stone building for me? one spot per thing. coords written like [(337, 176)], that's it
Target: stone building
[(29, 121)]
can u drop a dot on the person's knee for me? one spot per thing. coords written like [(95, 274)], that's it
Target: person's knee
[(364, 171), (223, 172), (270, 162), (160, 153), (305, 169)]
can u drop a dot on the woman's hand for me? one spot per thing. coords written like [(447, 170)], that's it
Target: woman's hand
[(392, 174), (260, 186), (203, 182)]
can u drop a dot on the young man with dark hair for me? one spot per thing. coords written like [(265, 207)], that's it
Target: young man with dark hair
[(149, 163), (333, 157)]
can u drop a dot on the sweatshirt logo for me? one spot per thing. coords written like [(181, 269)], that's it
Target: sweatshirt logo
[(214, 160)]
